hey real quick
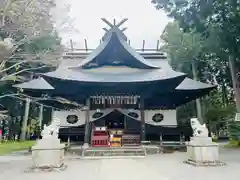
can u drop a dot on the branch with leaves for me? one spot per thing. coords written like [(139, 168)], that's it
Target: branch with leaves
[(29, 26)]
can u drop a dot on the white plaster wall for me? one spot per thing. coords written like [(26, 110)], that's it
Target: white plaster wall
[(170, 117), (62, 115)]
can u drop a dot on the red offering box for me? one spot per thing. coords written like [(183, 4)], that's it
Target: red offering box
[(100, 138), (100, 141)]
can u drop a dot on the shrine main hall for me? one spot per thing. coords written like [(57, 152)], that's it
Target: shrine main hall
[(127, 95)]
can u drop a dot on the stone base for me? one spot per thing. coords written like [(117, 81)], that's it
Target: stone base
[(85, 146), (202, 151), (48, 153), (205, 163), (46, 169), (201, 141)]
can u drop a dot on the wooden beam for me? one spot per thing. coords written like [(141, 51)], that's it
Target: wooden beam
[(85, 42), (157, 45), (142, 117), (143, 45), (121, 22), (107, 22), (105, 29), (124, 29), (87, 122), (71, 44)]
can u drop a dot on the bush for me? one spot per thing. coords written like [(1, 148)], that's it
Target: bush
[(234, 130), (12, 146), (233, 144)]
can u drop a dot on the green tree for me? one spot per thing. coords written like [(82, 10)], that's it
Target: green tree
[(27, 36), (33, 128), (205, 17), (184, 47), (28, 43)]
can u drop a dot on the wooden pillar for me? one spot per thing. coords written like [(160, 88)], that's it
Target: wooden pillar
[(71, 44), (142, 114), (143, 46), (40, 116), (125, 123), (87, 122), (25, 120), (52, 114)]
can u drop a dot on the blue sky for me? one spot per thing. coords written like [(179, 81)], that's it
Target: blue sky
[(144, 21)]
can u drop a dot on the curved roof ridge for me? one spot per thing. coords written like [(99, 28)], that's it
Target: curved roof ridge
[(135, 54), (94, 53), (121, 38)]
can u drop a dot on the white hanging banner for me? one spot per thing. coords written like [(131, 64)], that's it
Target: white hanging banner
[(162, 117), (104, 112), (79, 117), (127, 111), (63, 116)]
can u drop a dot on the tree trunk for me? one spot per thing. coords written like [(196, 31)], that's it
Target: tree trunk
[(224, 96), (25, 120), (235, 73), (40, 116), (198, 101)]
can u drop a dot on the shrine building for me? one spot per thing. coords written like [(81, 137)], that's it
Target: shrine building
[(127, 94)]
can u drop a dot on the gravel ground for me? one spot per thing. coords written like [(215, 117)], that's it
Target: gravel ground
[(160, 167)]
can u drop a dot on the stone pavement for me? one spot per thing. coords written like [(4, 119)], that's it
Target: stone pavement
[(160, 167)]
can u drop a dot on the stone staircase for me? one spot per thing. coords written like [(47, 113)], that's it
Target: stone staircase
[(113, 152)]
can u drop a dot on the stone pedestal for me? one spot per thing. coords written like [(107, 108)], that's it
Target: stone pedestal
[(85, 146), (202, 151), (48, 153)]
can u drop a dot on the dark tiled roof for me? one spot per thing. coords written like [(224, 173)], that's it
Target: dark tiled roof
[(39, 83), (189, 84), (115, 46), (141, 76)]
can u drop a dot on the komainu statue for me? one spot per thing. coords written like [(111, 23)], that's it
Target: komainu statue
[(198, 129), (46, 132), (52, 130)]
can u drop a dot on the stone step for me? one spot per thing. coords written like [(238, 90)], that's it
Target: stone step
[(112, 157), (86, 153), (117, 151), (109, 151)]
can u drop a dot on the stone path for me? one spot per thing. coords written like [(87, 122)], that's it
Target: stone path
[(160, 167)]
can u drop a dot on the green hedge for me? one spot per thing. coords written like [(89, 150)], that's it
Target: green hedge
[(233, 144), (12, 146), (234, 130), (234, 134)]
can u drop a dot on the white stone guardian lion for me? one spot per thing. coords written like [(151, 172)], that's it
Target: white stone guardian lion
[(52, 130), (198, 129)]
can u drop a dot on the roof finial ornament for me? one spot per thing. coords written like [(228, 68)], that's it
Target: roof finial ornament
[(115, 27), (114, 24)]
